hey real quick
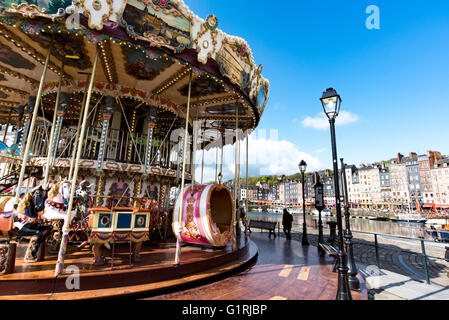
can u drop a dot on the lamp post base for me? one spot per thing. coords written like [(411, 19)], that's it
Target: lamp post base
[(354, 283), (344, 291), (304, 241)]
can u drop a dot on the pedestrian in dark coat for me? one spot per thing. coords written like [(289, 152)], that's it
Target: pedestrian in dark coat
[(287, 221)]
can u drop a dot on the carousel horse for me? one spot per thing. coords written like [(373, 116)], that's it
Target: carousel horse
[(24, 221), (56, 210), (6, 204), (57, 203), (82, 216)]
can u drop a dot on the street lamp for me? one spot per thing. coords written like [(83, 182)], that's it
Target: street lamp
[(353, 281), (331, 102), (319, 205), (302, 169)]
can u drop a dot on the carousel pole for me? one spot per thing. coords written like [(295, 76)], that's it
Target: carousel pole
[(53, 127), (202, 166), (220, 176), (216, 165), (195, 145), (186, 134), (77, 134), (33, 123), (247, 178), (152, 119), (65, 230), (236, 181), (7, 126)]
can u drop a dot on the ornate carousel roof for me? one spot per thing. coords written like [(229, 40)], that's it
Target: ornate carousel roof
[(147, 50)]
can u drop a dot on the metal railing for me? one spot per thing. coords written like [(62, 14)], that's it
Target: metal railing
[(297, 228), (121, 146)]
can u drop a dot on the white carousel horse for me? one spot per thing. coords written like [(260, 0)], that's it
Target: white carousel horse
[(7, 204), (57, 202)]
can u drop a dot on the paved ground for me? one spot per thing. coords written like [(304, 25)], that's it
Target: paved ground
[(284, 271), (402, 264)]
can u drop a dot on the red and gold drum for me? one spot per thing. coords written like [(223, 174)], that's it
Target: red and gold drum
[(207, 215)]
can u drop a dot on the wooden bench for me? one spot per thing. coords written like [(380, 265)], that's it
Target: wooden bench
[(331, 248), (263, 225)]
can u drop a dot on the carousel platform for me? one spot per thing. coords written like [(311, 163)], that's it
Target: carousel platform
[(156, 274)]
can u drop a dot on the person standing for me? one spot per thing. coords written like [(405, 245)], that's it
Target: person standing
[(287, 221)]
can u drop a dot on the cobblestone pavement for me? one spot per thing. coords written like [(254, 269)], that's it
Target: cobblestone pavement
[(401, 256)]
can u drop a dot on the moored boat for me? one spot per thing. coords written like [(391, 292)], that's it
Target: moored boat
[(409, 219)]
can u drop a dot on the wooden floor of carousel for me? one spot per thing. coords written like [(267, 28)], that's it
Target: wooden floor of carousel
[(260, 269), (155, 273)]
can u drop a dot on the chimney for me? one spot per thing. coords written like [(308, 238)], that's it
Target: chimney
[(399, 158), (413, 155)]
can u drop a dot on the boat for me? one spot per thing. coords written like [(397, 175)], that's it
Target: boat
[(409, 218), (379, 218), (439, 235), (438, 222), (259, 210)]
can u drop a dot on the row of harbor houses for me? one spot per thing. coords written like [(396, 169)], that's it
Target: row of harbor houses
[(416, 182)]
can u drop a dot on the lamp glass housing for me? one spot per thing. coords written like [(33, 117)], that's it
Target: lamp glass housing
[(303, 166), (331, 101)]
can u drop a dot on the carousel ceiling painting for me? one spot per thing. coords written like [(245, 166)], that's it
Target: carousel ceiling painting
[(13, 59), (148, 50), (65, 45), (149, 22), (202, 86), (141, 68)]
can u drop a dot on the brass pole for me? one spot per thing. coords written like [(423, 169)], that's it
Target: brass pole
[(186, 134), (77, 134), (53, 127), (33, 124), (66, 228)]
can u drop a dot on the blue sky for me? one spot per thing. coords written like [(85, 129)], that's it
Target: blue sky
[(393, 81)]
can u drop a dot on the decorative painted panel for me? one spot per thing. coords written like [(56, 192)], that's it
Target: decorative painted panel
[(14, 59)]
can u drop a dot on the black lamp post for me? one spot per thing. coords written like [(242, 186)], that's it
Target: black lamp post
[(354, 283), (319, 205), (302, 169), (331, 102)]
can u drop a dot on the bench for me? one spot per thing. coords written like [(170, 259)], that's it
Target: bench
[(263, 225), (331, 247)]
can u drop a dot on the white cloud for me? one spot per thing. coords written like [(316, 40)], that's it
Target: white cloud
[(321, 122), (266, 157)]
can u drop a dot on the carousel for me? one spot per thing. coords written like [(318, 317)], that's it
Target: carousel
[(104, 107)]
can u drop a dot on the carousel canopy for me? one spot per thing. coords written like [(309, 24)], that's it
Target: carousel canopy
[(148, 49)]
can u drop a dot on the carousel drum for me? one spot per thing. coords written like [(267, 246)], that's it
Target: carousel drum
[(207, 215)]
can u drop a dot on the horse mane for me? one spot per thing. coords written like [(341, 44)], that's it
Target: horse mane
[(54, 191), (25, 203)]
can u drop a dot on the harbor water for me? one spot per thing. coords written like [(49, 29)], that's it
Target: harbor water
[(411, 230)]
